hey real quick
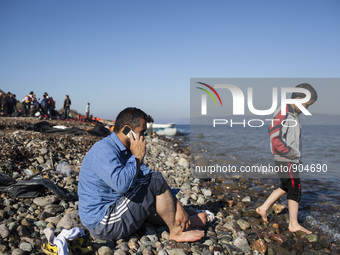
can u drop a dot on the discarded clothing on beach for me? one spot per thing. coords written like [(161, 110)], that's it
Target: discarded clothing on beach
[(32, 188), (6, 180), (40, 126), (99, 130), (67, 131), (46, 127), (69, 241)]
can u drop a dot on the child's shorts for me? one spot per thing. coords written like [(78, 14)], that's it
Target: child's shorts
[(290, 181), (128, 214)]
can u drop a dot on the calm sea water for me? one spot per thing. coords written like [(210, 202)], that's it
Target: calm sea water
[(250, 146), (320, 203)]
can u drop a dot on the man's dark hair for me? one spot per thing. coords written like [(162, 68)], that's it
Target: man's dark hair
[(130, 116), (307, 86)]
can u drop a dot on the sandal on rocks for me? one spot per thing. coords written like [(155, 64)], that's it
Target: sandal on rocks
[(73, 241)]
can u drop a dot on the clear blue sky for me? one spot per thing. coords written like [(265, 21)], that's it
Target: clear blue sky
[(115, 54)]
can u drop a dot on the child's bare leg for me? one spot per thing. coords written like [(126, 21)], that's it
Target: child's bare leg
[(275, 195), (294, 225)]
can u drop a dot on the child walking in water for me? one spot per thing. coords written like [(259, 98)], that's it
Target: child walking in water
[(285, 143)]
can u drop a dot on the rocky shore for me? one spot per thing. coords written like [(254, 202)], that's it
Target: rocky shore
[(237, 228)]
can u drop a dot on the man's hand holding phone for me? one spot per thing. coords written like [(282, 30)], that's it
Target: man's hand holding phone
[(137, 144)]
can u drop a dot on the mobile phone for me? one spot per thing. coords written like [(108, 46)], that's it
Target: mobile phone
[(127, 132)]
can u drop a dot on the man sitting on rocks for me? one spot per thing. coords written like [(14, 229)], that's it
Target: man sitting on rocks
[(118, 193)]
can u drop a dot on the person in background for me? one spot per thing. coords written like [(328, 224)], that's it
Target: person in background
[(66, 105), (15, 104), (9, 104), (2, 104), (34, 105), (26, 103), (44, 106), (87, 115), (51, 106)]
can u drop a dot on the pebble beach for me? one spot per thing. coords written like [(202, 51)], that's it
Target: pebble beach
[(236, 229)]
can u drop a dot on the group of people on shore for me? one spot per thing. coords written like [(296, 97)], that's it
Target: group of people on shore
[(46, 107), (31, 107), (8, 104)]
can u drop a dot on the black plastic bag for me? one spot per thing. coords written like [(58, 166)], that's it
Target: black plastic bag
[(41, 126), (33, 188), (6, 180)]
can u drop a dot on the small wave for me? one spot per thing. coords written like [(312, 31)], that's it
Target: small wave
[(167, 131), (181, 132), (324, 228)]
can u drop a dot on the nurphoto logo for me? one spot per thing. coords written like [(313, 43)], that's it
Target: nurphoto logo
[(238, 99), (204, 97), (218, 98)]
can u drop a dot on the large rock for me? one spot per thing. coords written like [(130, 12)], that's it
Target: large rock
[(183, 162), (70, 220), (207, 192), (278, 208), (280, 239), (26, 246), (174, 246), (231, 226), (242, 243), (4, 231), (312, 238), (18, 252), (325, 241), (43, 201), (233, 249), (54, 209), (104, 250), (230, 185), (177, 252), (118, 252), (259, 245), (185, 201), (43, 151), (40, 160), (244, 225)]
